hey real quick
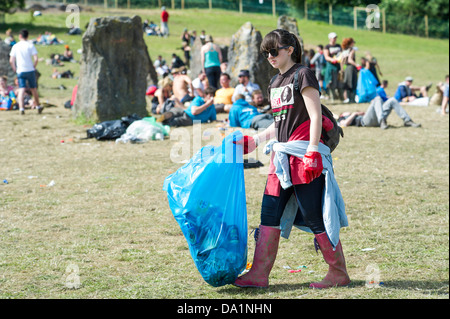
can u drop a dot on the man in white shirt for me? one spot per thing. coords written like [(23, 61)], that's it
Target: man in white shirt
[(245, 87), (23, 60), (199, 87)]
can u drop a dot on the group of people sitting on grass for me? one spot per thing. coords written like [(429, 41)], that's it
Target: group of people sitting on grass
[(9, 95), (182, 101)]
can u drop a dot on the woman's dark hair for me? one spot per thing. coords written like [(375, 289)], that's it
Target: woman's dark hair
[(280, 37)]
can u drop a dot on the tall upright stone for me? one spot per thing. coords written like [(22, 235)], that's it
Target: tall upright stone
[(290, 24), (114, 69), (196, 62), (5, 67), (244, 54)]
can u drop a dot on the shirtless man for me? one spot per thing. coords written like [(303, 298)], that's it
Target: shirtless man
[(163, 95), (182, 85)]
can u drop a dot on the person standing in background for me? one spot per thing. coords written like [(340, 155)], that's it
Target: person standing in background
[(23, 60), (351, 68), (320, 63), (164, 22), (331, 77), (211, 58)]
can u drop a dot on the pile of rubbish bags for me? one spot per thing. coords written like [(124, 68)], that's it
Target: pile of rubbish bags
[(131, 128)]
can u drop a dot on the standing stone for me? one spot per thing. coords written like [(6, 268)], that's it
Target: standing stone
[(114, 69), (290, 24), (5, 67), (244, 53), (196, 62)]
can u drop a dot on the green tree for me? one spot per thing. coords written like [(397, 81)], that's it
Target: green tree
[(10, 6), (350, 3), (433, 8)]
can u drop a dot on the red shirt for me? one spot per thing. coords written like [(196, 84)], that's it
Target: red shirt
[(164, 16)]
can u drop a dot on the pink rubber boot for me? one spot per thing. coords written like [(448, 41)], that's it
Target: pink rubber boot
[(265, 254), (337, 271)]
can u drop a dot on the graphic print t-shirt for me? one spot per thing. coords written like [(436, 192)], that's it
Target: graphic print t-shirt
[(287, 104), (334, 49)]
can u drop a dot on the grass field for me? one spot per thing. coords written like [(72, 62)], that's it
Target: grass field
[(106, 224)]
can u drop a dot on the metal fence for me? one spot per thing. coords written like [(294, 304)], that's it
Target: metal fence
[(248, 6), (356, 18)]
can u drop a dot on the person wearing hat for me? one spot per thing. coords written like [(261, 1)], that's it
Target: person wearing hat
[(245, 87), (406, 91), (331, 52), (211, 58)]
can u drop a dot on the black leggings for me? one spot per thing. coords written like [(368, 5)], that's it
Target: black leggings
[(309, 199), (213, 74)]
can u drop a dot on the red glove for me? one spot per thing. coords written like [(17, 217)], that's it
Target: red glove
[(358, 67), (248, 143), (313, 166)]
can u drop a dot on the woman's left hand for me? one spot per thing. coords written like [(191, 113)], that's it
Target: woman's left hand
[(313, 166)]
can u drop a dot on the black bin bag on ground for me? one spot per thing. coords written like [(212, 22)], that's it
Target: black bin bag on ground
[(111, 130)]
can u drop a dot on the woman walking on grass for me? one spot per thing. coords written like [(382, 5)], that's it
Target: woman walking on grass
[(295, 102)]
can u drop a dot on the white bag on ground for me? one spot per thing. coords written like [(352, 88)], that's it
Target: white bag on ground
[(141, 132)]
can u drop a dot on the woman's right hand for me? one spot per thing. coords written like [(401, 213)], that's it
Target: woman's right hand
[(248, 143)]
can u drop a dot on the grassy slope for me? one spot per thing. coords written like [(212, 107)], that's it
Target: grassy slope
[(398, 55)]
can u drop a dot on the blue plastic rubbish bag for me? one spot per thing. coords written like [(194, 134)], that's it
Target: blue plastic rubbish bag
[(207, 199), (366, 88)]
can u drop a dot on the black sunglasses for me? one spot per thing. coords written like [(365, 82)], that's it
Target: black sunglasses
[(273, 52)]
